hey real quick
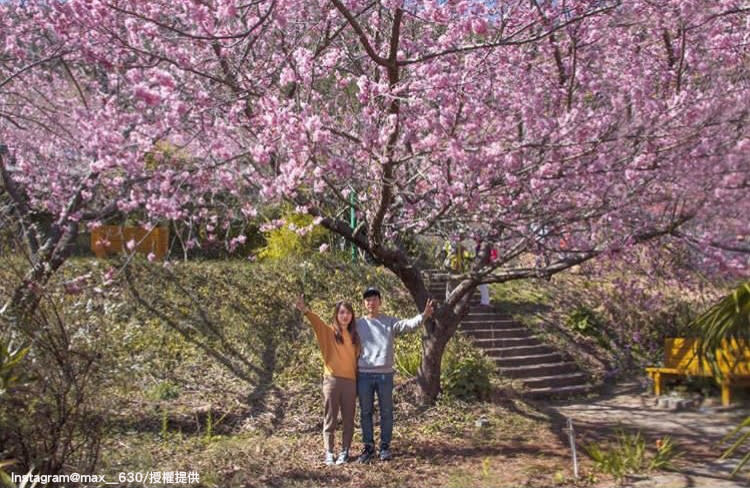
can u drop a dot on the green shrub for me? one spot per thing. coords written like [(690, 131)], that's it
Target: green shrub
[(584, 320), (629, 455), (466, 371), (468, 379), (587, 322)]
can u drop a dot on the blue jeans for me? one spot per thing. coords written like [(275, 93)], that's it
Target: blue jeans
[(367, 385)]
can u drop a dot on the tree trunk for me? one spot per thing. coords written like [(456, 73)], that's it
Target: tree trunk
[(46, 262), (437, 334)]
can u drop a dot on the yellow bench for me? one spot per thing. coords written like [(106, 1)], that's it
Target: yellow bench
[(681, 359)]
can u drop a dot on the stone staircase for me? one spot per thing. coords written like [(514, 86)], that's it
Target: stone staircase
[(544, 371)]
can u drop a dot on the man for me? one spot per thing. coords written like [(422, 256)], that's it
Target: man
[(375, 369)]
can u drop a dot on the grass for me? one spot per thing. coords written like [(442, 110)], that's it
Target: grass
[(436, 446), (170, 407), (176, 409)]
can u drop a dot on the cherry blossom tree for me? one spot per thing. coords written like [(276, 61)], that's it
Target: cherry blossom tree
[(562, 130), (558, 130)]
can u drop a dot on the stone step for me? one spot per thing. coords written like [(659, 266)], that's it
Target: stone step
[(482, 311), (568, 379), (489, 319), (433, 276), (539, 370), (517, 351), (477, 316), (488, 310), (558, 391), (509, 342), (474, 302), (544, 371), (497, 333), (530, 359), (487, 324)]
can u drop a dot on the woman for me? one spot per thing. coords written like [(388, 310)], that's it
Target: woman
[(339, 344)]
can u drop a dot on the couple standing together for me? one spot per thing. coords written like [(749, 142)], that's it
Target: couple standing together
[(358, 362)]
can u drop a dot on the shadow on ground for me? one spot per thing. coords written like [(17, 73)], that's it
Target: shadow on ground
[(698, 433)]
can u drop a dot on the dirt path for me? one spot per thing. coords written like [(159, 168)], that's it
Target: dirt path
[(697, 432)]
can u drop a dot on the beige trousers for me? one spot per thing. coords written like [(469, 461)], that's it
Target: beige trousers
[(339, 394)]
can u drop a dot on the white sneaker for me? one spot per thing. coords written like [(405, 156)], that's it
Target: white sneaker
[(343, 457), (329, 458)]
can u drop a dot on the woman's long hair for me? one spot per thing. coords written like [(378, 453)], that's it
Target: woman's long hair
[(351, 326)]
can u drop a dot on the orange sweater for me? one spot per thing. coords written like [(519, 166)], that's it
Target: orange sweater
[(339, 360)]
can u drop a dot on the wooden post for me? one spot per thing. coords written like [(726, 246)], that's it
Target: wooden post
[(726, 393), (658, 379)]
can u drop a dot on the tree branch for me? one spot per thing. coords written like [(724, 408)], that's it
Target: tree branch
[(194, 36), (29, 66), (713, 243), (20, 203), (506, 41), (360, 33)]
